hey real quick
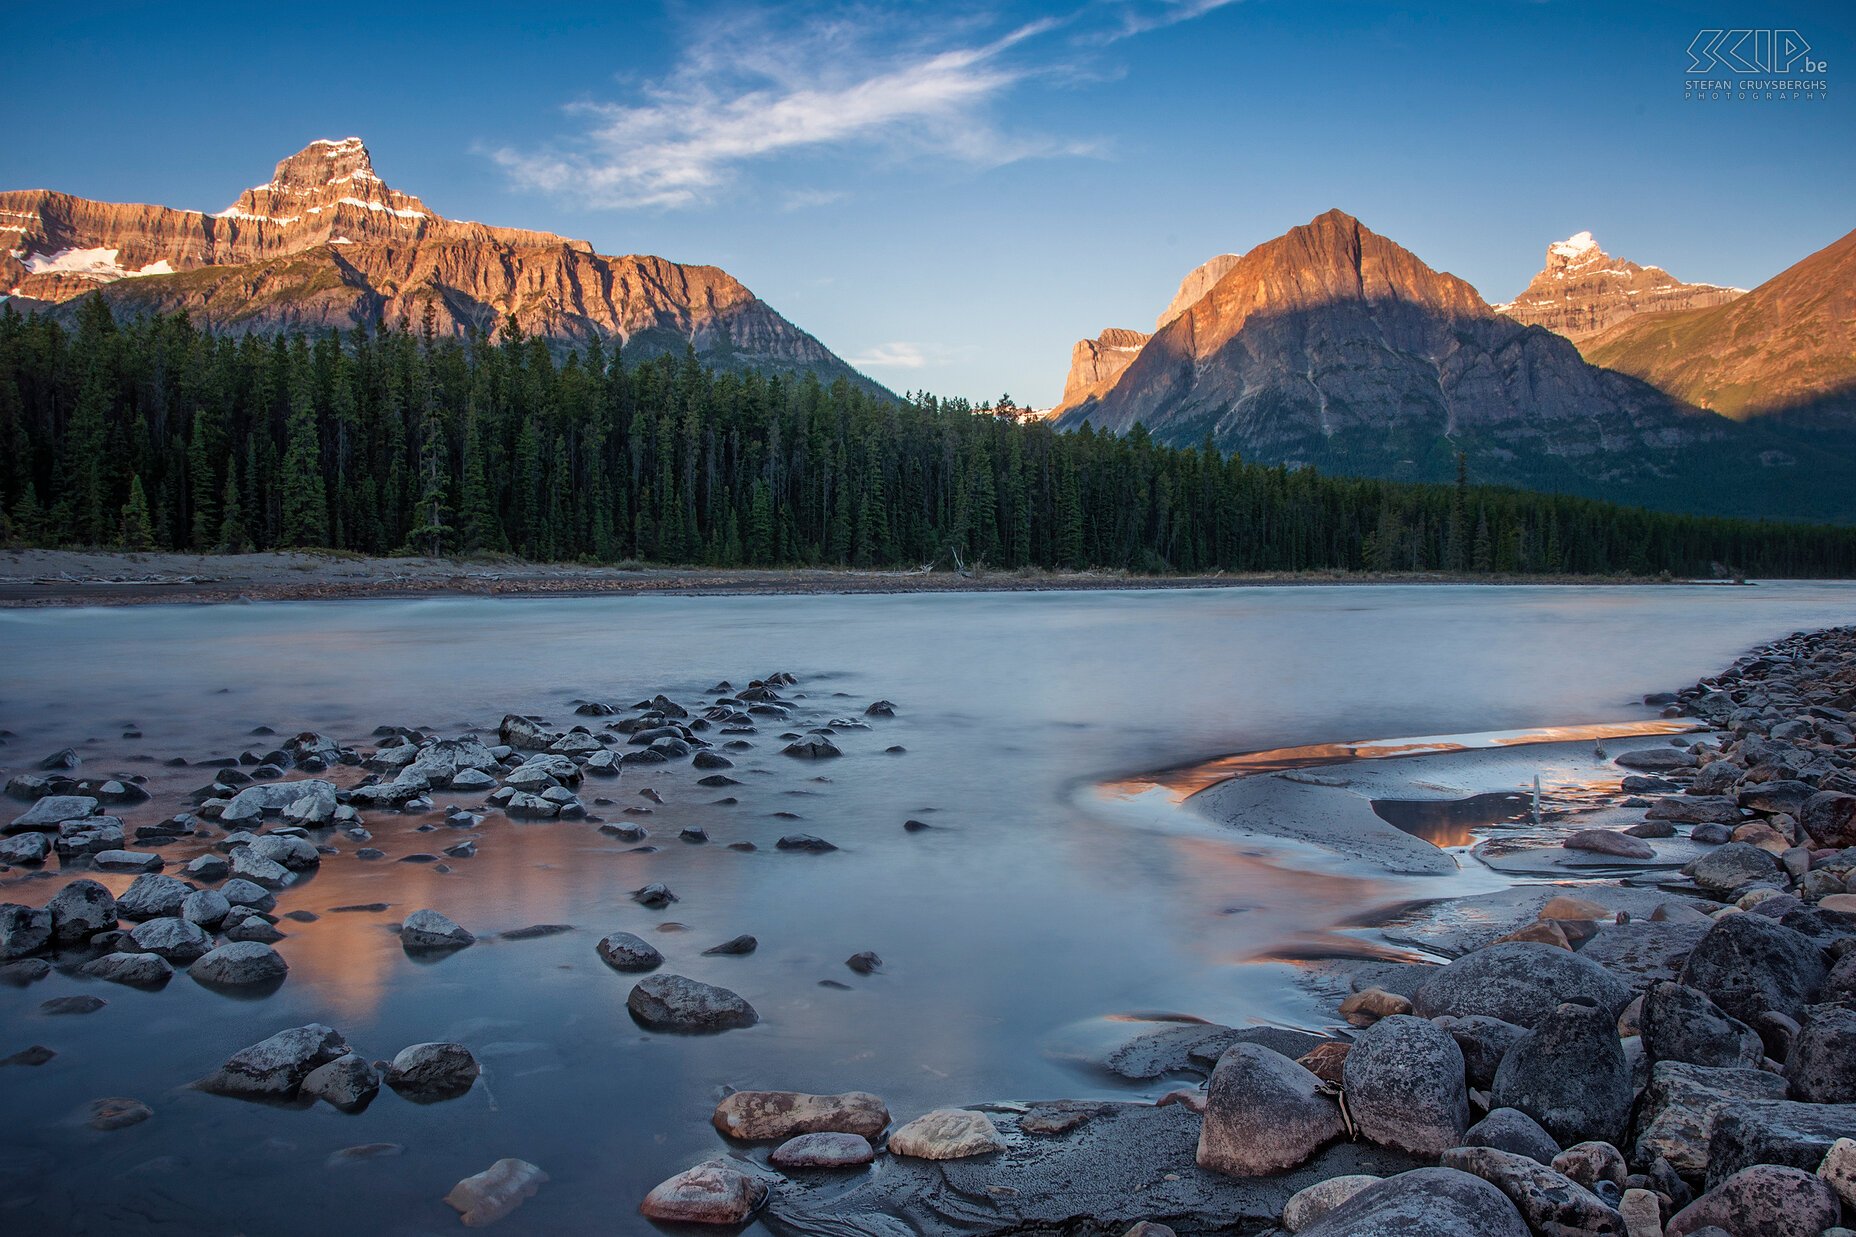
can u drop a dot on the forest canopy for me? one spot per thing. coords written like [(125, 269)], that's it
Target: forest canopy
[(154, 434)]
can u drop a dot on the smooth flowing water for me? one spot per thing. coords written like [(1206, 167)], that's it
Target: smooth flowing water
[(1024, 913)]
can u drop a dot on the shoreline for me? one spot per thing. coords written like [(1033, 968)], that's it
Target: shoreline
[(36, 578)]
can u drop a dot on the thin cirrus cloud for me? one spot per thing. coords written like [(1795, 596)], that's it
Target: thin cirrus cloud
[(740, 96), (897, 355)]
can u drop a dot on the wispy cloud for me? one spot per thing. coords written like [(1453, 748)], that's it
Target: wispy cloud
[(898, 355), (753, 87)]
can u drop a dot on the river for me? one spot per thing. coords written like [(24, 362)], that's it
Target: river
[(1023, 913)]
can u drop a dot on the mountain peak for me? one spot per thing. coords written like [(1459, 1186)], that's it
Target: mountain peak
[(1573, 248), (328, 179), (1582, 291)]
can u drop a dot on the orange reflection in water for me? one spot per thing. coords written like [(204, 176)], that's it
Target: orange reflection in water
[(1188, 780)]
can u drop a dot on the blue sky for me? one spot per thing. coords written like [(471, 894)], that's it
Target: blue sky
[(950, 195)]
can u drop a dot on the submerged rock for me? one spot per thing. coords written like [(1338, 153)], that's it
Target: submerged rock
[(239, 964), (622, 951), (135, 970), (435, 1071), (756, 1116), (488, 1196), (713, 1193), (676, 1003), (428, 931), (275, 1068), (946, 1134), (348, 1082)]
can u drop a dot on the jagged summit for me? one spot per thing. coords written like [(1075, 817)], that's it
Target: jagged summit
[(326, 243), (1582, 291)]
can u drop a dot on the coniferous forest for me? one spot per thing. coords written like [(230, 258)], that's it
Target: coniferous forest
[(152, 434)]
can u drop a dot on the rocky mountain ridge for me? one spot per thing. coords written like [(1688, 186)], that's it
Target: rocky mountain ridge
[(1334, 347), (327, 244), (1582, 291)]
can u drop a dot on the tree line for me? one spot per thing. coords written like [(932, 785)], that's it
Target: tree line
[(155, 434)]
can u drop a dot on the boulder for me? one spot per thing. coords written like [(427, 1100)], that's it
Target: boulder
[(1551, 1203), (1766, 1200), (297, 854), (25, 849), (1656, 759), (1839, 1169), (1308, 1205), (1734, 866), (1748, 964), (1830, 818), (1787, 1132), (622, 951), (135, 970), (486, 1197), (1484, 1041), (1570, 1075), (946, 1134), (1609, 842), (1510, 1129), (275, 1068), (1677, 1114), (171, 938), (812, 747), (1518, 982), (80, 910), (206, 907), (1592, 1162), (349, 1082), (713, 1193), (253, 803), (52, 811), (757, 1116), (1681, 1024), (676, 1003), (823, 1150), (1426, 1202), (152, 896), (1264, 1113), (520, 732), (239, 964), (23, 930), (248, 865), (427, 931), (1404, 1081), (437, 1071)]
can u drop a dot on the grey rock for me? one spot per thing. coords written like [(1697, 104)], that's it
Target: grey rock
[(52, 811), (25, 849), (1263, 1113), (250, 805), (206, 907), (248, 894), (1787, 1132), (1510, 1129), (348, 1082), (80, 910), (275, 1068), (622, 951), (1747, 964), (1484, 1041), (676, 1003), (135, 970), (1763, 1201), (1308, 1205), (823, 1150), (1551, 1203), (239, 964), (1681, 1024), (1404, 1081), (249, 865), (435, 1071), (429, 931), (296, 854), (1570, 1075), (1676, 1117), (1590, 1163), (152, 896), (169, 937), (1735, 866), (1427, 1202), (1519, 982)]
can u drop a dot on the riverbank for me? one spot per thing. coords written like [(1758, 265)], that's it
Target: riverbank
[(110, 578)]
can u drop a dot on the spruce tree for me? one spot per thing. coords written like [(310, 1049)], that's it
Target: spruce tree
[(138, 531), (305, 510), (233, 539), (200, 489)]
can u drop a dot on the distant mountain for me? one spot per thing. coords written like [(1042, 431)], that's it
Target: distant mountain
[(1583, 291), (326, 243), (1334, 347), (1096, 363), (1786, 347)]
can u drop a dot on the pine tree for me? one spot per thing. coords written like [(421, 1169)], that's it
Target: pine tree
[(1483, 559), (305, 509), (233, 539), (138, 532), (200, 487)]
